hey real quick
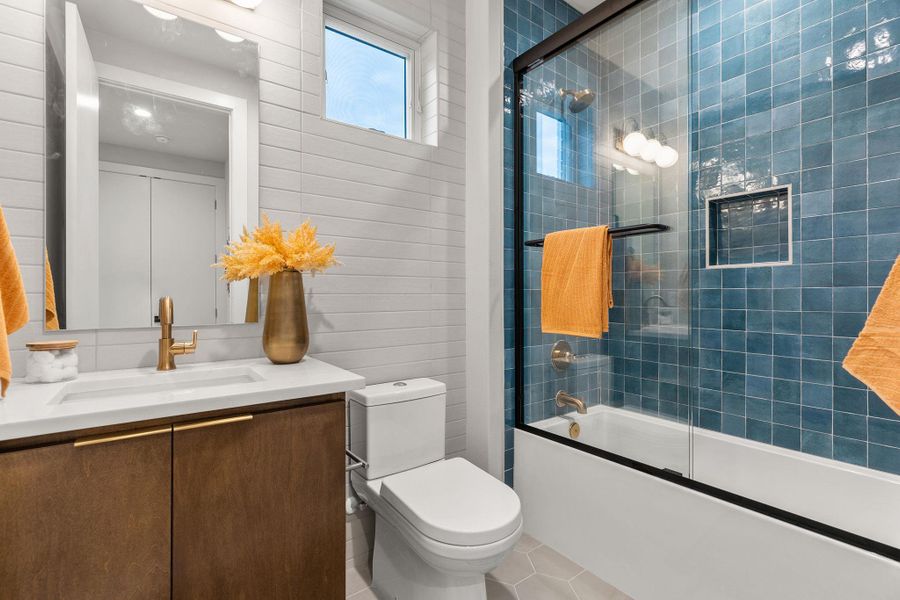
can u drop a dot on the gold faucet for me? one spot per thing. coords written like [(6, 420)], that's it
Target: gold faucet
[(564, 399), (168, 347)]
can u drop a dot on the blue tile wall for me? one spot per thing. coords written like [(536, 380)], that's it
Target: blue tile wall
[(783, 91), (526, 22), (805, 92)]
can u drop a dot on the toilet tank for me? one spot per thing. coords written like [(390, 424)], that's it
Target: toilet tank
[(397, 426)]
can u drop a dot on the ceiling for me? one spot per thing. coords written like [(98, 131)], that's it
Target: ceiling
[(127, 20), (584, 5), (188, 129)]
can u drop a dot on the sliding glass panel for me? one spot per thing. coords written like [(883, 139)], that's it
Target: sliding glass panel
[(581, 168), (797, 228)]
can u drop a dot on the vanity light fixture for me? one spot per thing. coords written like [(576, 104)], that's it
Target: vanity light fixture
[(141, 112), (250, 4), (634, 141), (160, 14), (650, 149), (229, 37), (666, 156)]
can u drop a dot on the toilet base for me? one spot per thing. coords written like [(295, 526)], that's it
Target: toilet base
[(398, 573)]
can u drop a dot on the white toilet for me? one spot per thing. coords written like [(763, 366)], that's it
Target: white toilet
[(440, 524)]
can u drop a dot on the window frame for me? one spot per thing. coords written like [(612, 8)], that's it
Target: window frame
[(384, 39)]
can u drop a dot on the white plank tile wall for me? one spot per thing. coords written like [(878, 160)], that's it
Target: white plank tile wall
[(395, 208)]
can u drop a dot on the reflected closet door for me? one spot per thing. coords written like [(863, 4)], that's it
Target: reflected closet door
[(184, 248), (124, 250)]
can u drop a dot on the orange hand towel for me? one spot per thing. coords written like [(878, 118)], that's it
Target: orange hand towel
[(13, 304), (874, 358), (51, 321), (576, 282)]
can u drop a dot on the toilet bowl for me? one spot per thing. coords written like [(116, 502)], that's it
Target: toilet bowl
[(440, 524)]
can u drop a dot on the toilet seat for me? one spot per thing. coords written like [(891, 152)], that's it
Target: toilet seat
[(454, 502), (463, 558)]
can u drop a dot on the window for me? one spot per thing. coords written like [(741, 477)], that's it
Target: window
[(369, 78), (552, 144)]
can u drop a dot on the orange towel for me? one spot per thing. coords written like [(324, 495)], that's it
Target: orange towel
[(576, 282), (13, 304), (874, 358), (51, 321)]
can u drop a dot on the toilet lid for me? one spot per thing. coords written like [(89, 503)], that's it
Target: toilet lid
[(454, 502)]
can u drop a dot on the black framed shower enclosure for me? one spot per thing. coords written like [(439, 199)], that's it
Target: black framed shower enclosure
[(525, 62)]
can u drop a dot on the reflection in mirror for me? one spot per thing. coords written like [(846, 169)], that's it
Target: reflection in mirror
[(152, 165)]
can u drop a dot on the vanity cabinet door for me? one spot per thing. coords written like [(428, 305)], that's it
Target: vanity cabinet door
[(258, 506), (87, 521)]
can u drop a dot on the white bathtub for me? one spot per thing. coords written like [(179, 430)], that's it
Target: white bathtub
[(657, 540)]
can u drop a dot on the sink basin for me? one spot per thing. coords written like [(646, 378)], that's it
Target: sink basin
[(153, 386)]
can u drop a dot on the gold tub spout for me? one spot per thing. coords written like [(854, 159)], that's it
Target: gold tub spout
[(564, 399)]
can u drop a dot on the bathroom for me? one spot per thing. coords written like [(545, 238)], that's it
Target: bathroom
[(293, 308)]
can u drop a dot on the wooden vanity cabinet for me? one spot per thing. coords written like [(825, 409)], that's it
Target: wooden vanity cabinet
[(221, 505), (87, 522), (257, 506)]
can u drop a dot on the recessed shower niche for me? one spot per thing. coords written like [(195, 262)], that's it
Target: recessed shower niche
[(749, 229)]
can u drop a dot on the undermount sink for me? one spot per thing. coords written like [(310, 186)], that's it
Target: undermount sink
[(158, 385)]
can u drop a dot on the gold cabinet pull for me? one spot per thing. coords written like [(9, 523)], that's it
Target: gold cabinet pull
[(213, 422), (117, 437)]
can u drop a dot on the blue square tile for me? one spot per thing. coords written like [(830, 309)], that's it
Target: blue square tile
[(849, 22), (786, 93), (885, 88), (850, 400), (786, 437), (849, 98), (850, 274), (816, 443), (884, 458), (816, 35), (850, 451), (882, 10), (759, 431), (815, 11), (786, 47), (786, 370), (757, 36)]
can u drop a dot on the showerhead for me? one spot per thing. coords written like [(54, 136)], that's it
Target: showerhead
[(581, 99)]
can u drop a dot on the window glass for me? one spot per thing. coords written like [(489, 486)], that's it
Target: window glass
[(552, 139), (366, 84)]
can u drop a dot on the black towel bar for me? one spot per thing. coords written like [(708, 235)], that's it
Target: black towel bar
[(618, 232)]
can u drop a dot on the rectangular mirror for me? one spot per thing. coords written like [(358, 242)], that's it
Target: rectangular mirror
[(151, 165)]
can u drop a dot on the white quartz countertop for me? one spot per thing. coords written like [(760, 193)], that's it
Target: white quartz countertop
[(102, 398)]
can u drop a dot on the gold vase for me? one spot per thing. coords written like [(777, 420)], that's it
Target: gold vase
[(286, 332)]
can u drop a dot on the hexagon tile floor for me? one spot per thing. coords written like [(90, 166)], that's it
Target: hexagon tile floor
[(532, 571)]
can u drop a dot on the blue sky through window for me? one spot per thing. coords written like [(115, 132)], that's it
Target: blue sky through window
[(551, 146), (366, 85)]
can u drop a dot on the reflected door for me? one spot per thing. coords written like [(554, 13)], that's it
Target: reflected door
[(183, 242), (125, 299)]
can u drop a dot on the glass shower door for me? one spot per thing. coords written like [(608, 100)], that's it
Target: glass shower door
[(604, 135)]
